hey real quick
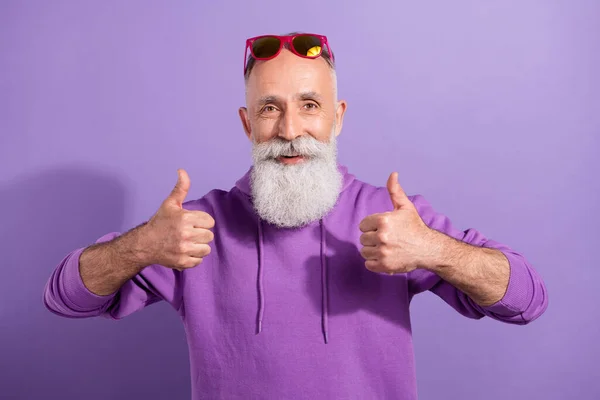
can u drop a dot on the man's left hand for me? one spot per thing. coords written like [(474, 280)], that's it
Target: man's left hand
[(397, 241)]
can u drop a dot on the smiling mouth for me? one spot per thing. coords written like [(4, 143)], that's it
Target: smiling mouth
[(290, 159)]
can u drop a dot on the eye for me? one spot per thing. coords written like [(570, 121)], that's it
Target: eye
[(269, 108), (310, 106)]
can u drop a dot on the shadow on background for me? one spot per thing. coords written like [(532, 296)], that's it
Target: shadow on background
[(43, 218)]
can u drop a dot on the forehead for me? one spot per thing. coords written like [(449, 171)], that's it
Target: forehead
[(288, 74)]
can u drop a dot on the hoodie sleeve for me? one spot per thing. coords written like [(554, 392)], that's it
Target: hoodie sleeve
[(525, 299), (66, 295)]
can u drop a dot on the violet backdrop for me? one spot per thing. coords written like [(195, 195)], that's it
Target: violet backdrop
[(491, 110)]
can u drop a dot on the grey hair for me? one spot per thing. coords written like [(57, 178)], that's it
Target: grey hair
[(251, 63)]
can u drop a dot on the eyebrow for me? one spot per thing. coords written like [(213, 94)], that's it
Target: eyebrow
[(309, 95)]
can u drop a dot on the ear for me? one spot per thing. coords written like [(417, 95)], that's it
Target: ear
[(339, 116), (243, 112)]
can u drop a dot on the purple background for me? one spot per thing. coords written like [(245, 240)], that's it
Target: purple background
[(491, 110)]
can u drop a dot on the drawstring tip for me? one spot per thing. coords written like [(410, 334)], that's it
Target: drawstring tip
[(258, 327), (326, 338)]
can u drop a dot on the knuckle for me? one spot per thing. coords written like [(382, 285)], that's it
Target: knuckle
[(182, 247), (185, 235), (362, 252), (179, 226), (208, 236), (362, 225), (384, 251), (210, 221), (186, 218), (181, 262), (205, 220), (362, 239), (192, 263)]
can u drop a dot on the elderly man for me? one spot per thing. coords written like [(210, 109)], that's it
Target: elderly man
[(296, 283)]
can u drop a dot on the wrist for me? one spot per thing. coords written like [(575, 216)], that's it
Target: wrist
[(443, 252), (135, 248)]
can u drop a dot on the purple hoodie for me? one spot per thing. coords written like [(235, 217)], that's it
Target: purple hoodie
[(293, 313)]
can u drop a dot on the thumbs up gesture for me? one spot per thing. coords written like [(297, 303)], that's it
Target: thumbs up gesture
[(397, 241), (178, 238)]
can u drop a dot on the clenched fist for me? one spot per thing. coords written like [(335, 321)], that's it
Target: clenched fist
[(397, 241), (179, 238)]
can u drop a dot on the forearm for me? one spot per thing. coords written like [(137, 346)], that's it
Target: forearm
[(481, 273), (105, 267)]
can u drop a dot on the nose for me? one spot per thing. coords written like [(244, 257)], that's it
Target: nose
[(290, 126)]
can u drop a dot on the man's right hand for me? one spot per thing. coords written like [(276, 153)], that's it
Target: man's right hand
[(175, 237)]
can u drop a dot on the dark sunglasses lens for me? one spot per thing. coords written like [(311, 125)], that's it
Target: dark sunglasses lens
[(265, 47), (307, 45)]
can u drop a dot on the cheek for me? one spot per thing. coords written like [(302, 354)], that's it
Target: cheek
[(263, 129), (319, 127)]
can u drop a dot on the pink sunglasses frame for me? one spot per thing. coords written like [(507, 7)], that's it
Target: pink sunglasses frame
[(282, 41)]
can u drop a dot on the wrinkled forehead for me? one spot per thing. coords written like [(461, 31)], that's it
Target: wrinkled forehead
[(287, 75)]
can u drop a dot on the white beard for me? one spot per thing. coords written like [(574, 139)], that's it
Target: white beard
[(290, 196)]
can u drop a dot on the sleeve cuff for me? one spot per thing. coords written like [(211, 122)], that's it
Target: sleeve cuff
[(519, 293), (77, 294)]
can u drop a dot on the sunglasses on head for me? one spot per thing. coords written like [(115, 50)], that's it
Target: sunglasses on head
[(266, 47)]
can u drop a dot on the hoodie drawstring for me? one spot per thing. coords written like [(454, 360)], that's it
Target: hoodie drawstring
[(259, 283), (324, 286), (324, 283)]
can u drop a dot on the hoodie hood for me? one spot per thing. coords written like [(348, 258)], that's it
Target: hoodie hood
[(243, 184)]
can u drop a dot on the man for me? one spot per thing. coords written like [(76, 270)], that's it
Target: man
[(296, 283)]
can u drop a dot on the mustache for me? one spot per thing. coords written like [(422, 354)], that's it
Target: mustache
[(304, 145)]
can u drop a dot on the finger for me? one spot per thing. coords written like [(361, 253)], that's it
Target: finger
[(369, 223), (189, 262), (200, 219), (181, 189), (373, 265), (377, 267), (198, 250), (201, 236), (370, 238), (369, 252), (397, 195)]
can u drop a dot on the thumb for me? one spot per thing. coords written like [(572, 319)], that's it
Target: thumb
[(399, 198), (180, 191)]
